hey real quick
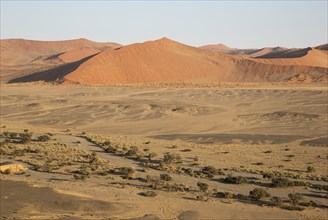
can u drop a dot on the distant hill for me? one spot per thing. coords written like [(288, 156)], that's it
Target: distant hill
[(316, 57), (20, 56)]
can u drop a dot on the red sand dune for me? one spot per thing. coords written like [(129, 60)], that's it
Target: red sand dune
[(165, 60), (20, 51), (217, 48), (306, 57), (244, 52), (20, 57), (316, 57)]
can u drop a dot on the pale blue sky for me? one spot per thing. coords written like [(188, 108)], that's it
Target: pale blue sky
[(240, 24)]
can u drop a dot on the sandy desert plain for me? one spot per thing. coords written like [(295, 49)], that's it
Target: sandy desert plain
[(212, 144)]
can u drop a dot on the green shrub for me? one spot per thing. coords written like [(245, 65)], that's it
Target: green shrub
[(277, 201), (202, 186), (165, 177), (171, 158), (126, 172), (258, 193), (7, 172), (43, 138), (111, 149), (235, 180), (151, 179), (310, 169), (227, 195), (25, 137), (294, 198), (79, 177), (210, 171), (133, 151), (281, 182), (151, 156), (13, 135)]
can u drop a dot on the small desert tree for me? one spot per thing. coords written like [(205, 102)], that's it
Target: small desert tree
[(202, 186), (258, 193), (295, 198)]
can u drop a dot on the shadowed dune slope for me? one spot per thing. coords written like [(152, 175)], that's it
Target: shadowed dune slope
[(306, 57), (21, 57), (165, 60), (243, 52), (20, 51), (55, 74), (316, 57), (322, 47)]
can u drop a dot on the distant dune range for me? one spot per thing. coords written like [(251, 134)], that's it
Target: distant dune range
[(24, 57), (161, 61)]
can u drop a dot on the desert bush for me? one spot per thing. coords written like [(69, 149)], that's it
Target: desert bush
[(111, 149), (7, 172), (106, 143), (84, 170), (126, 172), (149, 193), (281, 182), (93, 158), (151, 179), (311, 203), (258, 193), (133, 151), (202, 186), (43, 138), (294, 198), (79, 177), (46, 167), (210, 171), (310, 169), (151, 156), (227, 195), (165, 177), (13, 135), (235, 179), (268, 175), (277, 201), (25, 137), (188, 171), (171, 158)]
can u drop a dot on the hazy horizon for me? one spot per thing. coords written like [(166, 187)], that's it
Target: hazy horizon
[(248, 24)]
